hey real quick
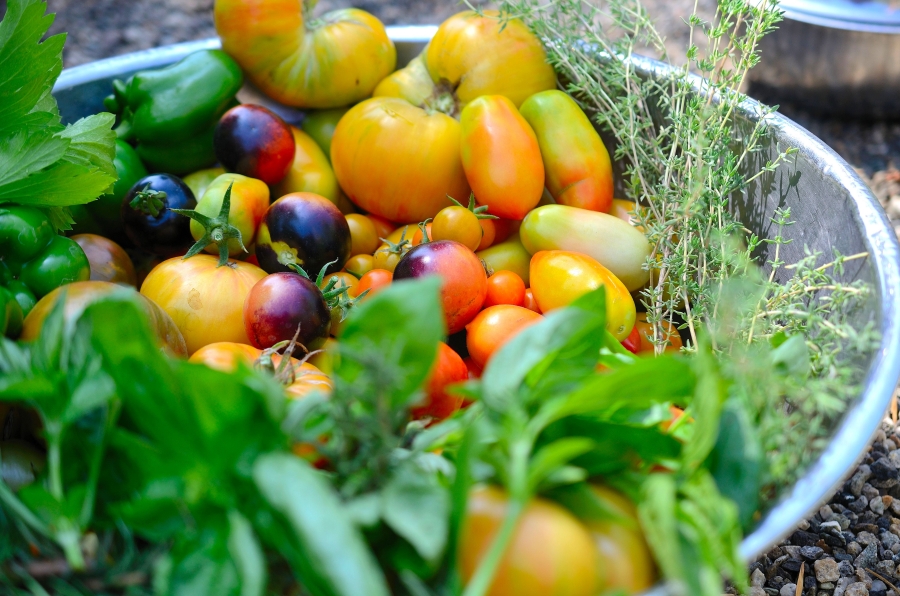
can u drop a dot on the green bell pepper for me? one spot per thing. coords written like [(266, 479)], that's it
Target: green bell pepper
[(171, 113), (34, 260)]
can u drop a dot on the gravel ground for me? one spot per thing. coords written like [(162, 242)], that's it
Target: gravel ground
[(851, 547)]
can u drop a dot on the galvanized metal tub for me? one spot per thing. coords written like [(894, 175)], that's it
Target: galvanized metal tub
[(832, 207), (833, 57)]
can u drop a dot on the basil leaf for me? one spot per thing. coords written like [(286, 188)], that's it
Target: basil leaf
[(736, 461), (416, 505), (247, 555)]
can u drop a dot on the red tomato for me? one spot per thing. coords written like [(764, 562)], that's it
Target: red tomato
[(551, 553), (501, 157), (529, 302), (632, 343), (473, 368), (493, 327), (448, 370), (374, 280), (504, 287)]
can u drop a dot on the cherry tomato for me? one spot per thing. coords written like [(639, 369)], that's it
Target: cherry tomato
[(550, 552), (464, 280), (109, 261), (646, 335), (488, 233), (625, 562), (459, 224), (418, 238), (342, 279), (360, 265), (255, 141), (81, 294), (501, 157), (530, 303), (305, 229), (205, 301), (388, 255), (632, 343), (504, 228), (508, 255), (374, 280), (559, 277), (493, 327), (448, 369), (363, 235), (249, 201), (473, 368), (167, 233), (383, 227), (504, 287), (279, 304)]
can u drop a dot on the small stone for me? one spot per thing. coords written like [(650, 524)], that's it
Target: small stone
[(803, 525), (883, 469), (869, 491), (845, 569), (801, 538), (894, 458), (843, 520), (792, 551), (788, 590), (826, 586), (888, 539), (877, 505), (843, 556), (755, 591), (757, 579), (879, 588), (857, 589), (842, 586), (825, 513), (895, 548), (886, 568), (862, 474), (866, 538), (853, 548), (868, 557), (792, 565), (860, 504), (827, 570), (811, 553), (886, 484)]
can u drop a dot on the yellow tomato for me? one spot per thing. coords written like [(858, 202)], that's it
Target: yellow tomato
[(560, 277), (205, 301), (328, 62), (508, 255), (310, 171)]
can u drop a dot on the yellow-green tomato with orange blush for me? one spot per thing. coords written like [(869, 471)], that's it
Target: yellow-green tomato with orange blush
[(576, 162), (560, 277), (616, 244), (309, 172), (501, 157), (508, 255), (249, 201)]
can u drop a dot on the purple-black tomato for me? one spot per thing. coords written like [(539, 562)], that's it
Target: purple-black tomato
[(256, 142), (149, 220), (464, 279), (305, 229), (280, 303)]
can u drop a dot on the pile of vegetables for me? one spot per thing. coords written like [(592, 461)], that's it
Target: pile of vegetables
[(411, 344)]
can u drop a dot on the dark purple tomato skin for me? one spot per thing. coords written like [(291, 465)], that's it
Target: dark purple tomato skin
[(254, 141), (279, 303), (167, 234), (306, 229)]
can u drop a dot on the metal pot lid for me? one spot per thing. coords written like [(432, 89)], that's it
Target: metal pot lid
[(875, 16)]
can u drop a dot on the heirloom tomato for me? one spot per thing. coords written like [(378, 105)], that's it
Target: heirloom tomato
[(225, 356), (254, 141), (310, 171), (606, 238), (80, 295), (508, 255), (249, 201), (303, 229), (464, 280), (327, 62), (551, 552), (448, 369), (625, 561), (280, 304), (200, 180), (576, 163), (504, 287), (412, 83), (501, 157), (109, 261), (320, 125), (205, 301), (559, 277), (493, 327)]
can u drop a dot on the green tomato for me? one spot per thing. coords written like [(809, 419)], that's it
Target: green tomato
[(24, 233), (23, 295), (320, 125), (10, 314), (61, 262)]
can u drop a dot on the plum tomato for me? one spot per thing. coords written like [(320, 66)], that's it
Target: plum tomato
[(625, 561), (281, 303), (504, 287), (559, 277), (364, 239), (205, 300), (256, 142), (81, 294), (464, 279), (373, 281), (624, 210), (310, 170), (501, 157), (109, 261), (359, 265), (303, 229), (493, 327), (148, 217), (509, 255), (459, 224), (550, 552), (529, 302), (448, 369)]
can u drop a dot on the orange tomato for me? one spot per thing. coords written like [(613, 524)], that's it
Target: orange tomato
[(448, 370), (529, 302), (645, 339), (504, 287), (488, 233), (343, 280), (559, 277), (205, 301), (374, 280), (624, 210), (473, 368), (382, 226), (81, 294), (493, 327), (501, 157), (459, 224), (578, 168), (551, 553)]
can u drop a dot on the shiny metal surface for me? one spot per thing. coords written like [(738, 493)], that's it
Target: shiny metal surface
[(832, 207), (833, 57)]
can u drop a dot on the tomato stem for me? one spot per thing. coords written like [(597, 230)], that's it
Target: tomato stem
[(216, 230)]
